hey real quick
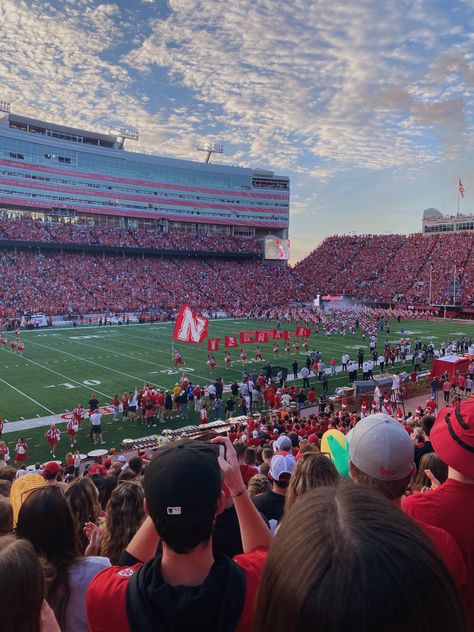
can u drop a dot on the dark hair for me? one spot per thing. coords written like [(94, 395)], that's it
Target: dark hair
[(392, 490), (46, 520), (346, 558), (5, 487), (427, 423), (189, 532), (312, 470), (21, 586), (105, 486), (240, 449), (250, 456), (6, 516), (83, 499), (136, 464), (8, 474), (430, 461)]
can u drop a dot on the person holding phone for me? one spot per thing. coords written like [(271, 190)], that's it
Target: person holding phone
[(184, 585)]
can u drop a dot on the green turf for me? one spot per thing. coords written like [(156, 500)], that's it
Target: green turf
[(61, 368)]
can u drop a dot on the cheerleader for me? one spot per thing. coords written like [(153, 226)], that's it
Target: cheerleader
[(177, 359), (20, 347), (276, 351), (21, 452), (52, 436), (227, 360), (72, 428), (258, 354), (211, 361), (243, 357)]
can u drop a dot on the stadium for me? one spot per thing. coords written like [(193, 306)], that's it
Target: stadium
[(104, 252)]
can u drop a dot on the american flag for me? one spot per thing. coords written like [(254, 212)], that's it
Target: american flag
[(461, 188)]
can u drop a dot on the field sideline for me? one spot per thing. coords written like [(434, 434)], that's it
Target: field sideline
[(61, 368)]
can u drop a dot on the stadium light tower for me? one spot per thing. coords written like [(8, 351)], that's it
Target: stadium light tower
[(5, 107), (210, 148), (124, 133)]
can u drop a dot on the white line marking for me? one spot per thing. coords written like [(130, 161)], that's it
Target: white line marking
[(27, 396)]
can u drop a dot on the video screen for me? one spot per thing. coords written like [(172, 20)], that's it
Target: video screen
[(277, 249)]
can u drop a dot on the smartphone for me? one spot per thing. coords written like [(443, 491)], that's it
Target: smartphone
[(219, 448)]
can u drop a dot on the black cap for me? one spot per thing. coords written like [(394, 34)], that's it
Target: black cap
[(181, 479)]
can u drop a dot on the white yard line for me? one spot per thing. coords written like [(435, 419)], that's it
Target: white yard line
[(155, 364), (102, 366), (70, 379), (27, 396)]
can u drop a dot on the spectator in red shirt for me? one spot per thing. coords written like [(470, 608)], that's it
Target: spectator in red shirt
[(450, 506), (183, 495)]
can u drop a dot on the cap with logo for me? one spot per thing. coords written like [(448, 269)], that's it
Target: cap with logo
[(181, 479), (380, 447)]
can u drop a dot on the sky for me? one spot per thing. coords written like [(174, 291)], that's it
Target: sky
[(368, 106)]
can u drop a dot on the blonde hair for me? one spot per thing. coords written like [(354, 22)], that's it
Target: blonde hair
[(312, 470), (124, 515)]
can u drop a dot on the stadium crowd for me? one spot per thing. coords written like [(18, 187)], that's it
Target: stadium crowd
[(56, 283), (27, 229), (352, 520), (382, 267)]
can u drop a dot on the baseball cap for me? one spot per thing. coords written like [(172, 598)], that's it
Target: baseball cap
[(52, 467), (181, 479), (380, 447), (281, 464), (282, 443), (452, 436)]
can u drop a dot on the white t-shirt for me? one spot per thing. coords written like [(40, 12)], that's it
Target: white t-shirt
[(80, 576), (95, 418)]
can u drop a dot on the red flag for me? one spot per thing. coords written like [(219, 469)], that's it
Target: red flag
[(461, 188), (230, 342), (213, 344), (246, 337), (261, 336), (302, 332), (278, 334), (189, 326)]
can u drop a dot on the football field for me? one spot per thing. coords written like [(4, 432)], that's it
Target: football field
[(61, 368)]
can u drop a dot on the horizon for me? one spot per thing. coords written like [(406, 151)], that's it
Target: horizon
[(368, 107)]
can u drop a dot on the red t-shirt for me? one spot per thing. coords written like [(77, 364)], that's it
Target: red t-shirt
[(105, 599), (247, 472), (450, 507)]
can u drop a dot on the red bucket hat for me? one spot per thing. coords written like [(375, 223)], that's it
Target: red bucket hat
[(452, 437)]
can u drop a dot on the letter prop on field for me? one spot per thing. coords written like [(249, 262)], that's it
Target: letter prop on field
[(334, 443), (302, 332), (247, 337), (189, 326), (230, 342), (213, 344)]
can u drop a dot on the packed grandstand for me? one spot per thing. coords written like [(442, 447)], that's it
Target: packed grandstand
[(294, 508)]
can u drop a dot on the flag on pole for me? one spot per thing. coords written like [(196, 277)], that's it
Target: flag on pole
[(189, 326), (461, 188)]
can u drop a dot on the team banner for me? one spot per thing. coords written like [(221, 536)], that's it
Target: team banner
[(213, 344), (278, 334), (261, 336), (230, 342), (247, 337), (302, 332), (189, 326)]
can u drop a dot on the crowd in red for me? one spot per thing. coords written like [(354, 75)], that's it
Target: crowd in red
[(27, 229), (380, 267), (65, 283)]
